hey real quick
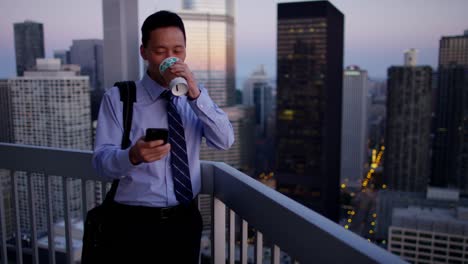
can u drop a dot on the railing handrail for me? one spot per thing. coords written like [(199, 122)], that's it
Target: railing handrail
[(299, 231), (70, 163)]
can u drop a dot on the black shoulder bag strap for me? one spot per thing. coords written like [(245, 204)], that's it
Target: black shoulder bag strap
[(127, 91)]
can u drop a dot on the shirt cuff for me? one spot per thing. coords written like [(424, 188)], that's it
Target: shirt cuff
[(192, 99), (124, 161)]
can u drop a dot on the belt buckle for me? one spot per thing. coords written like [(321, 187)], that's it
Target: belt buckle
[(165, 213)]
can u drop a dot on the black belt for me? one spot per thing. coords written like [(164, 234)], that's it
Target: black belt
[(160, 213)]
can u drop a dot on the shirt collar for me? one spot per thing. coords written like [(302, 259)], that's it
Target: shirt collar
[(153, 89)]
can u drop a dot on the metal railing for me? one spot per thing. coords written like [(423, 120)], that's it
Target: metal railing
[(303, 234)]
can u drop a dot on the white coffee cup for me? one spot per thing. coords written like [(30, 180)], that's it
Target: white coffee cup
[(178, 85)]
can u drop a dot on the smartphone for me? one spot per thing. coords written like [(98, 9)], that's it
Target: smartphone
[(156, 133)]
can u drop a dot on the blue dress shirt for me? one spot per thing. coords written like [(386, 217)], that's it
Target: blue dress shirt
[(151, 184)]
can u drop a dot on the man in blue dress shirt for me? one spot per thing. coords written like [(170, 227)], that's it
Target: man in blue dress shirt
[(150, 221)]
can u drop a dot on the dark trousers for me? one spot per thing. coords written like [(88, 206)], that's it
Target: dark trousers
[(154, 235)]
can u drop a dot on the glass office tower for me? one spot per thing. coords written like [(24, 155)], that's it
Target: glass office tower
[(209, 26), (29, 45), (309, 102)]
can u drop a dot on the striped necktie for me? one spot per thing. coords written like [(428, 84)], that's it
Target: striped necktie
[(179, 161)]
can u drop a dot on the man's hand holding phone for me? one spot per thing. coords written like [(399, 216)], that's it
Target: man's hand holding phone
[(152, 147)]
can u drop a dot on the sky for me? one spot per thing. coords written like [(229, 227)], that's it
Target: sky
[(376, 32)]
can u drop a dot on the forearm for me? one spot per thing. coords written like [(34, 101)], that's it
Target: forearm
[(112, 162)]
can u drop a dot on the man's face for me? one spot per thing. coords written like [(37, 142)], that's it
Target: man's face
[(163, 43)]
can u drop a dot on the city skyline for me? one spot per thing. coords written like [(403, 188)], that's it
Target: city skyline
[(375, 33), (347, 142)]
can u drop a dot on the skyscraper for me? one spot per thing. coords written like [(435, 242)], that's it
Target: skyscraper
[(121, 43), (454, 50), (209, 29), (450, 147), (354, 127), (224, 7), (87, 53), (258, 93), (377, 112), (29, 45), (50, 107), (406, 164), (210, 33), (309, 103)]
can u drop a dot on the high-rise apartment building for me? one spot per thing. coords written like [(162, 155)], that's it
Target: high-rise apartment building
[(354, 127), (309, 104), (121, 43), (29, 45), (407, 143), (450, 146), (50, 107)]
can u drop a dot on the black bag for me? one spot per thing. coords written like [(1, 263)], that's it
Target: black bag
[(97, 224)]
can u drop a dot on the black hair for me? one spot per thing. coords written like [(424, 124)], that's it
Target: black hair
[(160, 19)]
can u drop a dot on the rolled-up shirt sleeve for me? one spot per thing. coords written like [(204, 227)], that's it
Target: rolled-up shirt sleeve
[(217, 129), (109, 159)]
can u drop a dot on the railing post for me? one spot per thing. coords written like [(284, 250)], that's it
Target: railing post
[(66, 215), (232, 237), (244, 244), (219, 244), (19, 246), (259, 248), (4, 256), (103, 192), (50, 220), (84, 200), (275, 255), (32, 218)]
